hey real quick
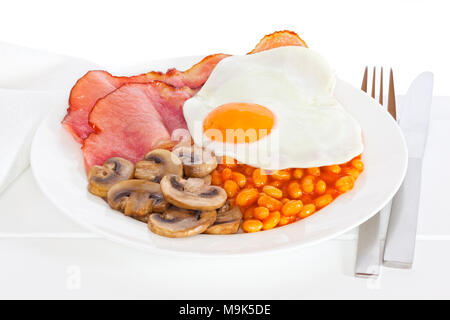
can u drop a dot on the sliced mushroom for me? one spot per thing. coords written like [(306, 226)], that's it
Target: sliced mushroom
[(226, 207), (156, 164), (137, 198), (227, 222), (178, 223), (178, 138), (141, 219), (194, 184), (102, 178), (192, 193), (197, 162), (166, 144), (207, 179)]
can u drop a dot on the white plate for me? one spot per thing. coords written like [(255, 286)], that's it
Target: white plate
[(57, 164)]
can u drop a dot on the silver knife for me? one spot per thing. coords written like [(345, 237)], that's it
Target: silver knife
[(401, 233)]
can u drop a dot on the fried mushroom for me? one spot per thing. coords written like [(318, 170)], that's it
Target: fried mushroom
[(156, 164), (197, 162), (207, 179), (178, 223), (102, 178), (226, 207), (137, 198), (227, 222), (192, 193)]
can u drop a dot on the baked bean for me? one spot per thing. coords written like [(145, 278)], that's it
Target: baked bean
[(321, 187), (293, 189), (248, 213), (259, 179), (314, 171), (216, 178), (273, 192), (252, 225), (335, 168), (308, 184), (329, 177), (272, 220), (284, 220), (247, 197), (308, 209), (282, 175), (239, 178), (345, 183), (260, 213), (276, 183), (323, 201), (298, 173), (291, 208), (231, 188), (226, 173), (357, 164), (270, 203), (351, 172), (270, 198)]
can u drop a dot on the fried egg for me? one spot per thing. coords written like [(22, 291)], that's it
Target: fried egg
[(274, 110)]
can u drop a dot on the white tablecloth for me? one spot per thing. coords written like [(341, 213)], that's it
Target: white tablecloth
[(43, 254)]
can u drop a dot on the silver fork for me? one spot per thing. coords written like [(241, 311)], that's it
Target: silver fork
[(368, 259)]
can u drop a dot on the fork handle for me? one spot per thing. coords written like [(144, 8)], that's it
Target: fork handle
[(368, 252), (402, 228)]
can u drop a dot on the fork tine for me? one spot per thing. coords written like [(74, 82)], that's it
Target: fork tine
[(391, 97), (381, 87), (373, 82), (364, 82)]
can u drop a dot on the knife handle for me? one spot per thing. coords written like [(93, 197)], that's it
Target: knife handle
[(401, 233)]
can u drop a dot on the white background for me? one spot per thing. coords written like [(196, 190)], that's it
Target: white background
[(410, 36)]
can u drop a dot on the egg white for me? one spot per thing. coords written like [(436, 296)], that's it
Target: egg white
[(311, 127)]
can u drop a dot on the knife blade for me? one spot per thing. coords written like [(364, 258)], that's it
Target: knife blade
[(402, 228)]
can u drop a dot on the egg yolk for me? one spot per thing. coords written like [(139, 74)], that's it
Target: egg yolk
[(238, 123)]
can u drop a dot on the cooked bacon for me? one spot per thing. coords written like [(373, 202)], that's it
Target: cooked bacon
[(196, 76), (279, 39), (88, 89), (97, 84), (133, 119)]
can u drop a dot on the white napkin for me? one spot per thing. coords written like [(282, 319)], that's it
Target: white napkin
[(32, 83)]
